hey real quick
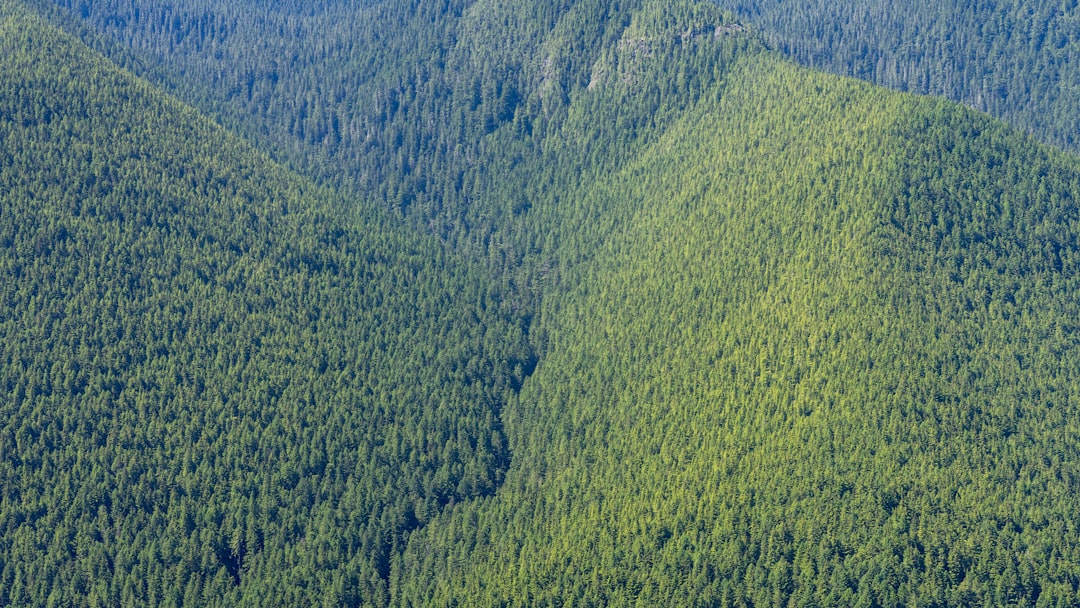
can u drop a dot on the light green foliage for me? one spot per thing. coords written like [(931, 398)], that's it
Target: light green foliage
[(800, 341), (826, 356)]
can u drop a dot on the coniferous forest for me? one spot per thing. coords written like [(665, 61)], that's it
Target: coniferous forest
[(1015, 59), (563, 303)]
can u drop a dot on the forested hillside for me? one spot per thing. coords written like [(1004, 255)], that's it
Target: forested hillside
[(216, 387), (827, 358), (557, 303), (444, 111), (1016, 59)]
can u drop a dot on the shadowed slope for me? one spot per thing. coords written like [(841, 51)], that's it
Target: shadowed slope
[(215, 386)]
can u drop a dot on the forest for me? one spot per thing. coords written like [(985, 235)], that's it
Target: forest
[(571, 303), (1015, 59), (219, 382)]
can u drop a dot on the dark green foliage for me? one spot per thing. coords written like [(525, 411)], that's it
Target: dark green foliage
[(215, 387), (455, 113), (1016, 59), (802, 341), (391, 98)]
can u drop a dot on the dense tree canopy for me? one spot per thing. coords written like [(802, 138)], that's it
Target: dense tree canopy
[(215, 385), (1016, 59), (566, 303), (827, 358)]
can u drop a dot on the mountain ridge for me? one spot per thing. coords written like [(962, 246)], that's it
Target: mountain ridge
[(756, 335), (221, 384), (765, 377)]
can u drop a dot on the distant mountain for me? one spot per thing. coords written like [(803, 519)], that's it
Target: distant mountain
[(405, 102), (216, 387), (697, 326), (1014, 59)]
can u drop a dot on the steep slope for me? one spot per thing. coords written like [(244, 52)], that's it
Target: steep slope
[(216, 388), (400, 100), (805, 342), (464, 115), (828, 359), (1015, 59), (391, 97)]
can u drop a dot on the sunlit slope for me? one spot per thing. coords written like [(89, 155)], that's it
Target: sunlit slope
[(829, 361), (216, 388), (803, 341)]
